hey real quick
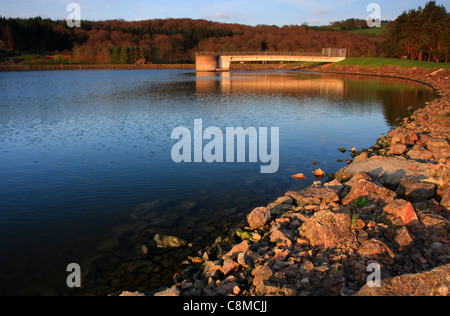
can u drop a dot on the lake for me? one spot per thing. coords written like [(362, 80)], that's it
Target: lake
[(86, 174)]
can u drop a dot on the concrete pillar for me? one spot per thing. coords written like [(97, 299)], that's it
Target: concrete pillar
[(206, 63), (224, 62)]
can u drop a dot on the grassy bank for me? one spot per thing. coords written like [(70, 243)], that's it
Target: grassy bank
[(381, 62)]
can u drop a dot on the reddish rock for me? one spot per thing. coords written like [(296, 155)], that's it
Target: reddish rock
[(423, 140), (245, 260), (391, 134), (402, 209), (299, 176), (285, 200), (236, 250), (229, 265), (131, 294), (261, 274), (173, 291), (307, 267), (334, 185), (305, 197), (362, 157), (446, 198), (398, 149), (440, 148), (436, 144), (376, 250), (267, 288), (435, 225), (282, 237), (420, 153), (329, 196), (258, 217), (326, 228), (314, 196), (280, 254), (403, 237), (358, 177), (404, 137), (212, 270), (366, 188), (432, 283), (415, 191)]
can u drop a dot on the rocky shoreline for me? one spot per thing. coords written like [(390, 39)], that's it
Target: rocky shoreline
[(390, 207)]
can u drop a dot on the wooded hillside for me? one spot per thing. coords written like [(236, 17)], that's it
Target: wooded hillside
[(171, 40), (419, 34)]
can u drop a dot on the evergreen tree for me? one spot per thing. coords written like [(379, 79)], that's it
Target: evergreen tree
[(421, 34), (115, 55), (125, 55)]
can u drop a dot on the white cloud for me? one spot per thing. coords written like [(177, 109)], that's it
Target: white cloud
[(322, 12), (218, 15), (235, 16), (319, 5)]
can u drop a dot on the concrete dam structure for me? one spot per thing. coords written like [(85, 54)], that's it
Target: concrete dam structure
[(207, 62)]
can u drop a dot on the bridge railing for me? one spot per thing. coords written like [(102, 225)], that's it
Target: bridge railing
[(257, 54), (326, 52)]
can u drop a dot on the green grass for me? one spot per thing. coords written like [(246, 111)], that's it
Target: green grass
[(374, 31), (380, 62), (361, 202)]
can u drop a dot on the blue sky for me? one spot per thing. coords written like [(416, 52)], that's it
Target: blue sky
[(251, 12)]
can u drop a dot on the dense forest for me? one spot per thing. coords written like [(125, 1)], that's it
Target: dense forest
[(422, 34), (177, 40)]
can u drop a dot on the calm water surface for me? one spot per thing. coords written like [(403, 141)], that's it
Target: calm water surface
[(86, 174)]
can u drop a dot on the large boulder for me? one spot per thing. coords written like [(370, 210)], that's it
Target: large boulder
[(401, 136), (415, 191), (258, 217), (440, 148), (314, 196), (369, 189), (432, 283), (398, 149), (389, 171), (326, 228), (420, 153)]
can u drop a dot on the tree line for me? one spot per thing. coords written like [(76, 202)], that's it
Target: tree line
[(422, 34), (177, 40)]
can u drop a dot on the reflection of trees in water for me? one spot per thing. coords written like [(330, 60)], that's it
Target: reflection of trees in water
[(393, 94)]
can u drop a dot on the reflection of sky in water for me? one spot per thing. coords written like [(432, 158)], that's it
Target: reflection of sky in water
[(80, 149)]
